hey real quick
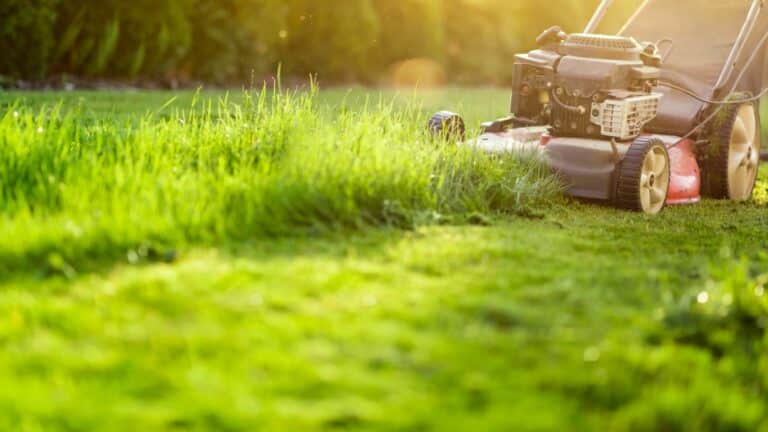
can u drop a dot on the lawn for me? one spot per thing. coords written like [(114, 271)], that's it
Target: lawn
[(316, 262)]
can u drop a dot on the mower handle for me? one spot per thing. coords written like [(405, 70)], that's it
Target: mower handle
[(598, 16)]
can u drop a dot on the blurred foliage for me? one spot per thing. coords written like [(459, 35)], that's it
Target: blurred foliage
[(26, 36), (336, 41), (117, 38), (231, 39), (409, 29), (471, 41)]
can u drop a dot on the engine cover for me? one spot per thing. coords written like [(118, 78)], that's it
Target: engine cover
[(590, 86)]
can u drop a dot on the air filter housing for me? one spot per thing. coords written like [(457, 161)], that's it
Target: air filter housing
[(624, 118)]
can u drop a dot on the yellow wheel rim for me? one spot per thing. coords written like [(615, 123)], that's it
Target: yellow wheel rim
[(743, 155), (654, 180)]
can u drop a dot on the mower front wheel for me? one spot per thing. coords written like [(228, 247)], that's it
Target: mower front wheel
[(644, 177), (447, 125)]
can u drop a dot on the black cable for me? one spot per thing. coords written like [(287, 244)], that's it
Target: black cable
[(721, 104), (710, 101), (578, 109), (671, 48)]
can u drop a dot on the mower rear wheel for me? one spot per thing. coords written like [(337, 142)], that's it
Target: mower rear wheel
[(644, 175), (734, 161), (447, 125)]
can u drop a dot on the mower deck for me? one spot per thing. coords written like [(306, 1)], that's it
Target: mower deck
[(589, 166)]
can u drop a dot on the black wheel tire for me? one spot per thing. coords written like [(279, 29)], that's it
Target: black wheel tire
[(630, 183), (447, 125), (714, 157)]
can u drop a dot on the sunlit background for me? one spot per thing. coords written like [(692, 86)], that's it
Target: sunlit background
[(231, 42)]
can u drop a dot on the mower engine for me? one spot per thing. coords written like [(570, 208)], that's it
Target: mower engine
[(587, 85)]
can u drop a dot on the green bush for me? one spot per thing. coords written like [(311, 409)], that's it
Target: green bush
[(225, 41), (409, 29), (122, 39), (232, 39), (26, 37), (481, 39), (336, 43)]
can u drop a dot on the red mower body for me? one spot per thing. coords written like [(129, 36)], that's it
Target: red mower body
[(685, 173), (588, 167), (685, 180)]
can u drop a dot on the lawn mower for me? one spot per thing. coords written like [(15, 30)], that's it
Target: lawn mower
[(644, 124)]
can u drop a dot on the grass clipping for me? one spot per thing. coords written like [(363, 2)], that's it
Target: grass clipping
[(274, 164)]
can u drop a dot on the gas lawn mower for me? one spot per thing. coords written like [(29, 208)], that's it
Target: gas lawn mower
[(642, 124)]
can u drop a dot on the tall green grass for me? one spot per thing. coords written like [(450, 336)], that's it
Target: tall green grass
[(75, 188)]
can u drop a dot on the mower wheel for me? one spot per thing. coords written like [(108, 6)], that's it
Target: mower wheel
[(733, 159), (644, 174), (447, 125)]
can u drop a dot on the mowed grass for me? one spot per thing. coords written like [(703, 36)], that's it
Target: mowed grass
[(316, 262)]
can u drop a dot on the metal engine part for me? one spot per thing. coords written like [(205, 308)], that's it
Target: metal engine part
[(588, 85)]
